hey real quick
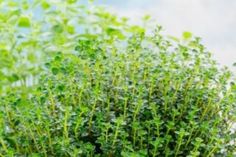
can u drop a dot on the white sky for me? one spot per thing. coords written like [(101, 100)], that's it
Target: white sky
[(212, 20)]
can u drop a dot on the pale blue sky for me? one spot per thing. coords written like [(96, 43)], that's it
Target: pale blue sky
[(213, 20)]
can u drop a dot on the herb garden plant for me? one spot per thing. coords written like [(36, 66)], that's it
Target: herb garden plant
[(79, 81)]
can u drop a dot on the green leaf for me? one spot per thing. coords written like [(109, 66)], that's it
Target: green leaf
[(45, 5), (61, 87), (55, 70), (70, 29), (58, 28), (146, 17), (32, 58), (71, 1), (25, 6), (137, 29), (24, 22), (187, 35), (13, 78), (115, 32)]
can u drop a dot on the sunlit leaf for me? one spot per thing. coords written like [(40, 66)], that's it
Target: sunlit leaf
[(24, 21), (187, 35)]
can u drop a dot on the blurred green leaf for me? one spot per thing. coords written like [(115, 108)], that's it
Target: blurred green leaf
[(187, 35), (24, 21)]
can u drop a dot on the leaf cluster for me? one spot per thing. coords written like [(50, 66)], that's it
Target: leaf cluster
[(111, 89)]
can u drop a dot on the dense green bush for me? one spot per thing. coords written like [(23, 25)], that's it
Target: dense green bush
[(117, 90)]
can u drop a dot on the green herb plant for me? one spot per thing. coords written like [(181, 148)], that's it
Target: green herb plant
[(80, 81)]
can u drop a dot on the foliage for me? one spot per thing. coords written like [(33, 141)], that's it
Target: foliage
[(80, 81)]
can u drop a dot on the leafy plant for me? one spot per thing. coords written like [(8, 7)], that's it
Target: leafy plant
[(103, 87)]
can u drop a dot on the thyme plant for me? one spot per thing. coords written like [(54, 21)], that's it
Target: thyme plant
[(88, 83)]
